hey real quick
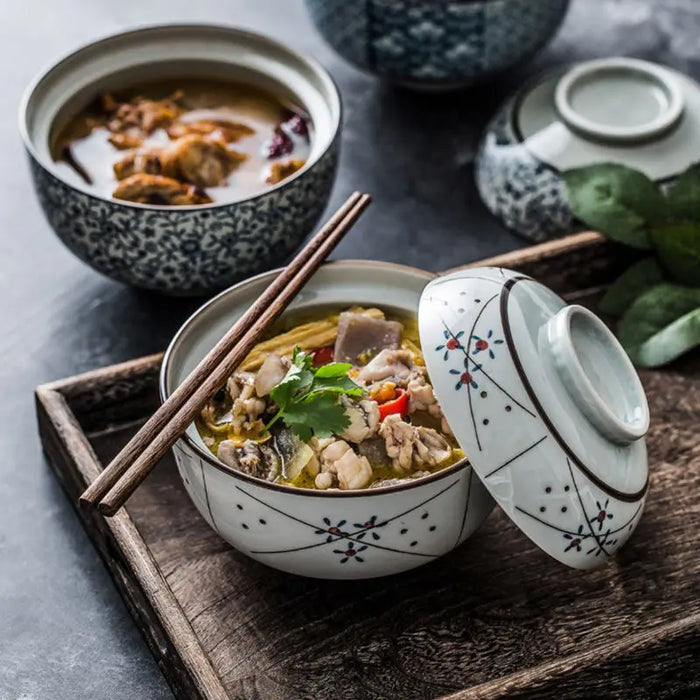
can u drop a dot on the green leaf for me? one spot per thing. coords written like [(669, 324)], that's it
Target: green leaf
[(341, 385), (299, 376), (678, 248), (616, 200), (635, 280), (684, 196), (320, 415), (334, 369), (662, 324)]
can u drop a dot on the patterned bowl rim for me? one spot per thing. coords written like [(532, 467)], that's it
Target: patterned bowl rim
[(311, 63), (214, 462)]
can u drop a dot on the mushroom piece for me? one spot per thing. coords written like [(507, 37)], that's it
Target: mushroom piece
[(156, 189), (199, 160)]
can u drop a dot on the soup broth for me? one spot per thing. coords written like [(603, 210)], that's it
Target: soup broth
[(332, 400), (184, 142)]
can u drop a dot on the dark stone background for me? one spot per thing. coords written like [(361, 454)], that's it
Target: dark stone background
[(64, 632)]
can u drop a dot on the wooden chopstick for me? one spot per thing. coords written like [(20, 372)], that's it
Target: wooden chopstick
[(142, 453)]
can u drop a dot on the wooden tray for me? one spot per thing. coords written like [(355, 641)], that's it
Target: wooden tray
[(494, 617)]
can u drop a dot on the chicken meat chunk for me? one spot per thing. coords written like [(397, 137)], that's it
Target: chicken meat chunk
[(141, 113), (413, 445), (247, 408), (421, 397), (156, 189)]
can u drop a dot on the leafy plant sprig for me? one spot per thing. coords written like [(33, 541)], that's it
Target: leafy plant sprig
[(658, 297), (308, 398)]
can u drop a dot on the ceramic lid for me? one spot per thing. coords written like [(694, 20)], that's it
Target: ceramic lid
[(546, 405), (621, 110)]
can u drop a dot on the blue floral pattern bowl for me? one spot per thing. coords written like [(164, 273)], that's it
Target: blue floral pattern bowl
[(436, 43), (187, 250)]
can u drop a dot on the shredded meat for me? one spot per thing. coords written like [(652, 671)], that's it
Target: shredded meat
[(201, 161), (156, 189), (415, 445), (388, 364), (364, 419), (147, 115), (218, 128), (281, 171)]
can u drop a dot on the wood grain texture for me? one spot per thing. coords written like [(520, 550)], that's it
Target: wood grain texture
[(495, 617)]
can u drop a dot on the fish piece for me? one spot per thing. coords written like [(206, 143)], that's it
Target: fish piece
[(156, 189), (364, 419), (396, 365), (271, 373), (359, 334)]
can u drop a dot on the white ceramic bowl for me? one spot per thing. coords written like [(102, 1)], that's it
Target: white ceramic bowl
[(338, 534), (185, 250)]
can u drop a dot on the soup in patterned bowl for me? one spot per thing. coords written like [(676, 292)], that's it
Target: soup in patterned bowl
[(326, 454)]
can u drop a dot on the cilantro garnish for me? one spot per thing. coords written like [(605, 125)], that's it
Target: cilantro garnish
[(308, 398)]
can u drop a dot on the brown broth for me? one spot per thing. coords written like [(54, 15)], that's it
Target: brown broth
[(91, 151)]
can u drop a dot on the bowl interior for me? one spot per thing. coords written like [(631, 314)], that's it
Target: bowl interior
[(175, 51), (338, 284)]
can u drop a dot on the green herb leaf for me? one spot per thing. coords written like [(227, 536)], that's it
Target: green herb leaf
[(678, 248), (631, 284), (662, 324), (684, 196), (334, 369), (308, 399), (616, 200), (319, 414), (298, 377)]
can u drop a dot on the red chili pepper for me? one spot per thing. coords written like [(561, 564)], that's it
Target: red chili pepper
[(398, 405), (322, 356)]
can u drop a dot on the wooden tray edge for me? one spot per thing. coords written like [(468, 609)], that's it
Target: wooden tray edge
[(145, 591)]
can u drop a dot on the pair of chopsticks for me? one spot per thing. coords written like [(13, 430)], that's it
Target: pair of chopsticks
[(111, 489)]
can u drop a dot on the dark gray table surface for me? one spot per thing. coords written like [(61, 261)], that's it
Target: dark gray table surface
[(64, 632)]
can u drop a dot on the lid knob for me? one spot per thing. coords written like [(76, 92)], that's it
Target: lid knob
[(619, 100), (597, 374)]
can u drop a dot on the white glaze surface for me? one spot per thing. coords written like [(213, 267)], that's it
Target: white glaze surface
[(339, 534), (573, 491)]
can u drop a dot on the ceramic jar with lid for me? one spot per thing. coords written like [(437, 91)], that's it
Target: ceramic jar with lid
[(617, 110)]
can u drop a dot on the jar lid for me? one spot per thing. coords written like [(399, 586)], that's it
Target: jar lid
[(621, 110), (546, 405)]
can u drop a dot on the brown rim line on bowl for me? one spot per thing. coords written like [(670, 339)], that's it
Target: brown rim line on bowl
[(207, 454), (314, 532), (218, 243)]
